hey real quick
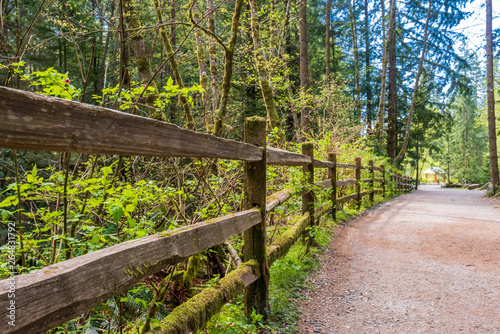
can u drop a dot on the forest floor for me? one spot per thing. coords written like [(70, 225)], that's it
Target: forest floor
[(425, 262)]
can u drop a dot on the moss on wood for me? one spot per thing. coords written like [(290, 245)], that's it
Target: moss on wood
[(194, 313), (281, 246), (140, 272)]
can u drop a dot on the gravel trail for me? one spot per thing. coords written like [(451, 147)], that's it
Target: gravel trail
[(425, 262)]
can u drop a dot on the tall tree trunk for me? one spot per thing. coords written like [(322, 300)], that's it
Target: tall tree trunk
[(102, 70), (368, 72), (304, 63), (228, 69), (334, 59), (134, 26), (291, 114), (174, 66), (124, 79), (379, 124), (327, 41), (492, 135), (273, 118), (173, 36), (202, 66), (273, 24), (392, 111), (356, 62), (212, 51), (415, 89)]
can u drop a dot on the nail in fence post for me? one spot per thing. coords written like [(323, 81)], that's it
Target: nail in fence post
[(308, 194), (383, 180), (332, 174), (358, 184), (372, 182), (257, 293)]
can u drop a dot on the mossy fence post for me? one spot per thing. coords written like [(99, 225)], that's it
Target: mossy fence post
[(332, 175), (307, 192), (358, 183), (383, 180), (398, 183), (372, 181), (257, 293), (394, 188)]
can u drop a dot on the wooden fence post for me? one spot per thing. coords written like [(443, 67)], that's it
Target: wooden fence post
[(332, 174), (396, 179), (372, 182), (383, 180), (394, 186), (308, 194), (358, 183), (257, 293)]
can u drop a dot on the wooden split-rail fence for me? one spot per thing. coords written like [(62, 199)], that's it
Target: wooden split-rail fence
[(63, 291)]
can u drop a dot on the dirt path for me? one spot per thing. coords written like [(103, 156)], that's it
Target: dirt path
[(426, 262)]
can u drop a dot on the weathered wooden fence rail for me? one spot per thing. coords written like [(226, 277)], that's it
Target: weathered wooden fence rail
[(60, 292)]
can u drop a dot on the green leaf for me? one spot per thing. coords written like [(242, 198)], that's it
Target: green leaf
[(170, 82), (130, 208), (131, 222), (141, 233), (117, 212), (11, 200), (141, 301), (6, 214), (95, 239)]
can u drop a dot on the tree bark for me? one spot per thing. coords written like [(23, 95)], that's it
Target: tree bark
[(392, 111), (415, 89), (102, 70), (368, 72), (492, 135), (212, 51), (174, 66), (379, 125), (228, 69), (272, 29), (273, 119), (356, 62), (139, 46), (202, 66), (327, 41), (304, 64)]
